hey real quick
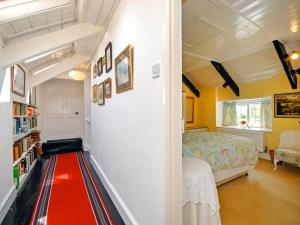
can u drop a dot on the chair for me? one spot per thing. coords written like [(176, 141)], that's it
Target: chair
[(289, 148)]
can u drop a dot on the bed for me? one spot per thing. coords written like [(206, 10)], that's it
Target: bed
[(229, 156)]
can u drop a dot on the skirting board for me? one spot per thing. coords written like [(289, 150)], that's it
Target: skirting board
[(7, 202), (87, 148), (114, 195)]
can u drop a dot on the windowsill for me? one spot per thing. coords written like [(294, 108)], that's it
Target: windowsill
[(246, 128)]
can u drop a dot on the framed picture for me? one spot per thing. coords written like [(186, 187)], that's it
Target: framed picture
[(189, 104), (108, 57), (95, 71), (18, 79), (287, 105), (124, 70), (95, 90), (100, 66), (107, 88), (101, 97), (32, 96)]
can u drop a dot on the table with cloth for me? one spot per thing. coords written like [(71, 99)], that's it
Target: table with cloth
[(200, 202)]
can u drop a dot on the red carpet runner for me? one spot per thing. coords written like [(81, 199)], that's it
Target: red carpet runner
[(69, 195)]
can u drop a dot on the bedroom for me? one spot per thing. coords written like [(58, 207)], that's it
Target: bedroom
[(238, 130)]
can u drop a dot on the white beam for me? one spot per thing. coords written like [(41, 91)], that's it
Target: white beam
[(43, 27), (65, 65), (29, 48)]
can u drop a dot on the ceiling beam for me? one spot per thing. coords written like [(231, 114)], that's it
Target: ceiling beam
[(30, 48), (43, 27), (64, 66)]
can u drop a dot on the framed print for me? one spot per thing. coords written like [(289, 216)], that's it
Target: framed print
[(94, 90), (108, 57), (18, 79), (101, 97), (107, 88), (124, 70), (100, 66), (189, 104), (32, 96), (95, 71), (287, 105)]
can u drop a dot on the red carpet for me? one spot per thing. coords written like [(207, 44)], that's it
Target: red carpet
[(69, 195)]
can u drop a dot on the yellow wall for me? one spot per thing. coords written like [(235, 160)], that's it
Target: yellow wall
[(204, 108), (276, 85), (188, 93)]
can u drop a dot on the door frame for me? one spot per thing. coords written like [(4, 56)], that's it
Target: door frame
[(172, 71)]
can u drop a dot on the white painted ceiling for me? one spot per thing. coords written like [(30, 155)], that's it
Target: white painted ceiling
[(40, 17), (239, 34)]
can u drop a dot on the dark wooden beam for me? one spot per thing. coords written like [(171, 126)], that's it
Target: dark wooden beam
[(190, 85), (228, 80)]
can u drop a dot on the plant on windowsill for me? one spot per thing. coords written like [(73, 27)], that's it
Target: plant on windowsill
[(243, 124)]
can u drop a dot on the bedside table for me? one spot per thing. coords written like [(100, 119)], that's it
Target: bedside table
[(271, 153)]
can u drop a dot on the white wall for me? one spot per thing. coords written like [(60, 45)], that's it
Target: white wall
[(6, 159), (127, 133), (87, 114)]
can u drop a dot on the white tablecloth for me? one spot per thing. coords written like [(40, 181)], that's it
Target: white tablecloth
[(200, 200)]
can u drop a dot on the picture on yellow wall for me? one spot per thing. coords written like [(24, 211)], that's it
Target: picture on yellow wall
[(189, 101), (287, 105)]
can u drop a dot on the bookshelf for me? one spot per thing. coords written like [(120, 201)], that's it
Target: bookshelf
[(26, 141)]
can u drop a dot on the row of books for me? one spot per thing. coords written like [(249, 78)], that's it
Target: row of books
[(24, 166), (22, 125), (24, 145), (20, 109)]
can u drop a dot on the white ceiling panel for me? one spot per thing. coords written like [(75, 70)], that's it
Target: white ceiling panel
[(38, 20), (21, 24), (239, 34), (54, 16)]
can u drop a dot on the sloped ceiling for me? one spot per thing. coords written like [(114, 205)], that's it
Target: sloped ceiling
[(40, 17), (239, 34)]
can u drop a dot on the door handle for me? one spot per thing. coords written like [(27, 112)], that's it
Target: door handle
[(76, 113)]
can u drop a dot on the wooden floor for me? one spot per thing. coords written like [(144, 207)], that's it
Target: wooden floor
[(265, 197)]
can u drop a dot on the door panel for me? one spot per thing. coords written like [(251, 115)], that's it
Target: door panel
[(63, 116)]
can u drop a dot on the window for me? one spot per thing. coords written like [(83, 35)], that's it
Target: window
[(252, 113)]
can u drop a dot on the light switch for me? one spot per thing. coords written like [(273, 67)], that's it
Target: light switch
[(156, 70)]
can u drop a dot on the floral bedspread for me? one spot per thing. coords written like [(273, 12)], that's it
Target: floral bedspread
[(220, 150)]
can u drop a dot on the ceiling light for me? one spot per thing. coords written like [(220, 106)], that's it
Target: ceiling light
[(43, 69), (77, 75), (294, 55)]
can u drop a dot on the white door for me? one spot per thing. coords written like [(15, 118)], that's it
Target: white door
[(63, 111)]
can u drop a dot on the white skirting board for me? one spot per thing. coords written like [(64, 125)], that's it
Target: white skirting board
[(114, 195), (87, 148), (7, 202)]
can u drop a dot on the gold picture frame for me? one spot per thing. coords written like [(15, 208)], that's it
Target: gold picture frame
[(107, 88), (94, 93), (94, 71), (287, 105), (101, 94), (124, 70)]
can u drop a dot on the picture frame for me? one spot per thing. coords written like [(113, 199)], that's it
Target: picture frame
[(94, 71), (124, 70), (94, 93), (100, 66), (190, 104), (108, 57), (101, 94), (107, 88), (18, 80), (32, 96), (287, 105)]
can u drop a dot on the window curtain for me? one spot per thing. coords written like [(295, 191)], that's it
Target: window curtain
[(230, 114), (266, 114)]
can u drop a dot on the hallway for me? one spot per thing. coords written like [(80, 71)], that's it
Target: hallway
[(68, 177)]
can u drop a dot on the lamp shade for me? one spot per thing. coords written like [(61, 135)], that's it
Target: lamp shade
[(77, 75)]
